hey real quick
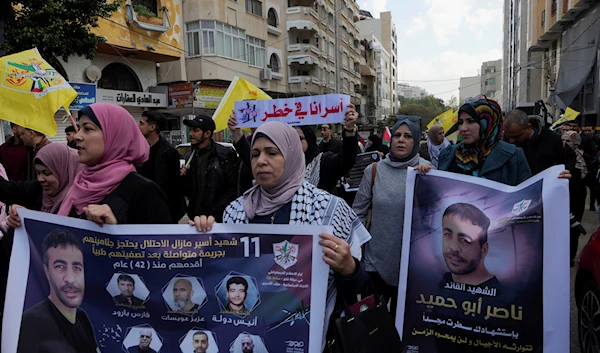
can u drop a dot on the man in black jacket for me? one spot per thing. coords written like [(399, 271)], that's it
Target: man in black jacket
[(162, 166), (543, 149), (210, 174)]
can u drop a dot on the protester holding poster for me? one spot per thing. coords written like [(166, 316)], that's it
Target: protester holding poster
[(282, 196), (385, 196), (108, 190), (475, 272), (322, 169), (482, 153)]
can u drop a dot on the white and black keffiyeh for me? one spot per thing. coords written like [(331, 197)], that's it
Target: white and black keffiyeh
[(313, 170), (313, 206)]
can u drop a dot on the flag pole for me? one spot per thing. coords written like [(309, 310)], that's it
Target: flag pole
[(71, 117)]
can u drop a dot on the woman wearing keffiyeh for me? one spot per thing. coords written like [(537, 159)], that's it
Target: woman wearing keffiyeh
[(482, 153)]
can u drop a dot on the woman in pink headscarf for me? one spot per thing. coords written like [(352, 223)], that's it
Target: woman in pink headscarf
[(56, 166), (108, 190), (282, 196)]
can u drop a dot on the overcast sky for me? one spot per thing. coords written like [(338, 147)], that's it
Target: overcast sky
[(442, 39)]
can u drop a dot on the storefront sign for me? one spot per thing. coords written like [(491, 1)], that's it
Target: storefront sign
[(180, 95), (208, 97), (86, 95), (132, 99)]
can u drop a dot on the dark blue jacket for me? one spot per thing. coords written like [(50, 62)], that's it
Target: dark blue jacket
[(506, 163)]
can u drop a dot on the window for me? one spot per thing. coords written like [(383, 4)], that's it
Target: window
[(119, 77), (544, 18), (344, 33), (317, 42), (491, 81), (256, 51), (331, 49), (330, 20), (323, 14), (274, 62), (254, 7), (350, 14), (151, 5), (554, 7), (215, 38), (272, 17), (325, 45), (316, 7)]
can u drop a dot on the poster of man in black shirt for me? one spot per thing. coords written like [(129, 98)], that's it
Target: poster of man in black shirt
[(126, 285), (57, 324), (465, 246), (144, 345)]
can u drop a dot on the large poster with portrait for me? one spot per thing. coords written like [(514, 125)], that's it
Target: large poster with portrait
[(75, 287), (484, 266)]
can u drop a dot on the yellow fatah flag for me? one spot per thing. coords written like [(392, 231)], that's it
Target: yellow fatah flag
[(450, 121), (239, 90), (570, 114), (32, 91), (440, 119)]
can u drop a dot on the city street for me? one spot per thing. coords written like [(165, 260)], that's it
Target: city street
[(590, 223)]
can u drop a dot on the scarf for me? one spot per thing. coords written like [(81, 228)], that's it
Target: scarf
[(313, 170), (125, 148), (488, 114), (259, 201), (579, 161), (63, 162), (415, 130)]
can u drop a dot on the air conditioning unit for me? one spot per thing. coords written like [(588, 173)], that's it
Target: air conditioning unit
[(265, 74)]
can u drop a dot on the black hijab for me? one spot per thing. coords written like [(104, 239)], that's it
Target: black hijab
[(311, 139)]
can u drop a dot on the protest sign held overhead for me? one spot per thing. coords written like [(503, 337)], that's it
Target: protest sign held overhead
[(163, 289), (475, 275), (311, 110)]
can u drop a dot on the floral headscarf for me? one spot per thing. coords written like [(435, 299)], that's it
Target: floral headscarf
[(488, 114)]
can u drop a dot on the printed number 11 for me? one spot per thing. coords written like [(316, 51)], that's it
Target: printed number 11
[(246, 241)]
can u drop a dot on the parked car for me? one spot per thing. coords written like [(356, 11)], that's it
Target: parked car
[(184, 148), (587, 295)]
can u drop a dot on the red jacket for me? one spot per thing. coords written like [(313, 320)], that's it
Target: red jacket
[(14, 159)]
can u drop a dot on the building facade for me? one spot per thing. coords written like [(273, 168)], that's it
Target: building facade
[(384, 30), (469, 87), (491, 72), (409, 92)]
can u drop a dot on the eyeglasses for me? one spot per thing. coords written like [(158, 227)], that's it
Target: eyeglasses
[(412, 118)]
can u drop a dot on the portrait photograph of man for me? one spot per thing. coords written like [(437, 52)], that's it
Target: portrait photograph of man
[(185, 295), (247, 343), (465, 246), (58, 324), (126, 285), (199, 341), (142, 339), (237, 295)]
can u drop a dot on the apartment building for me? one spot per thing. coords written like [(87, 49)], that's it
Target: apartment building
[(384, 30), (469, 87), (521, 72), (286, 48), (566, 34), (368, 88), (409, 92), (491, 72)]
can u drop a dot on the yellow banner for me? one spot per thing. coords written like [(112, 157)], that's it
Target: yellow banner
[(440, 118), (239, 90), (32, 91), (570, 114)]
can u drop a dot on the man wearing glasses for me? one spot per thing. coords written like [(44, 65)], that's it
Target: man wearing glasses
[(329, 144)]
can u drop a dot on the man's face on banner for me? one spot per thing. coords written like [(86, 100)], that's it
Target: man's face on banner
[(247, 345), (65, 275), (182, 293), (461, 245), (236, 294), (145, 339), (200, 343), (126, 288)]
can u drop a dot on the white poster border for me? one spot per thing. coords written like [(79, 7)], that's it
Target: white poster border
[(20, 262), (556, 270)]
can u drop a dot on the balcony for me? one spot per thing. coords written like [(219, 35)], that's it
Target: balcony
[(304, 84), (302, 18), (303, 47), (303, 60)]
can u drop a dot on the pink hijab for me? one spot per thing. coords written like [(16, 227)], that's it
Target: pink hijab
[(63, 162), (125, 148), (259, 201)]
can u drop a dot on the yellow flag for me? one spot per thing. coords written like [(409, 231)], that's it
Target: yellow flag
[(32, 91), (440, 119), (570, 114), (239, 90), (450, 122)]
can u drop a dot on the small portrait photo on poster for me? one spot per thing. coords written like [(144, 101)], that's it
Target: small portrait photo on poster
[(128, 290), (142, 339), (237, 294), (184, 294), (198, 340)]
